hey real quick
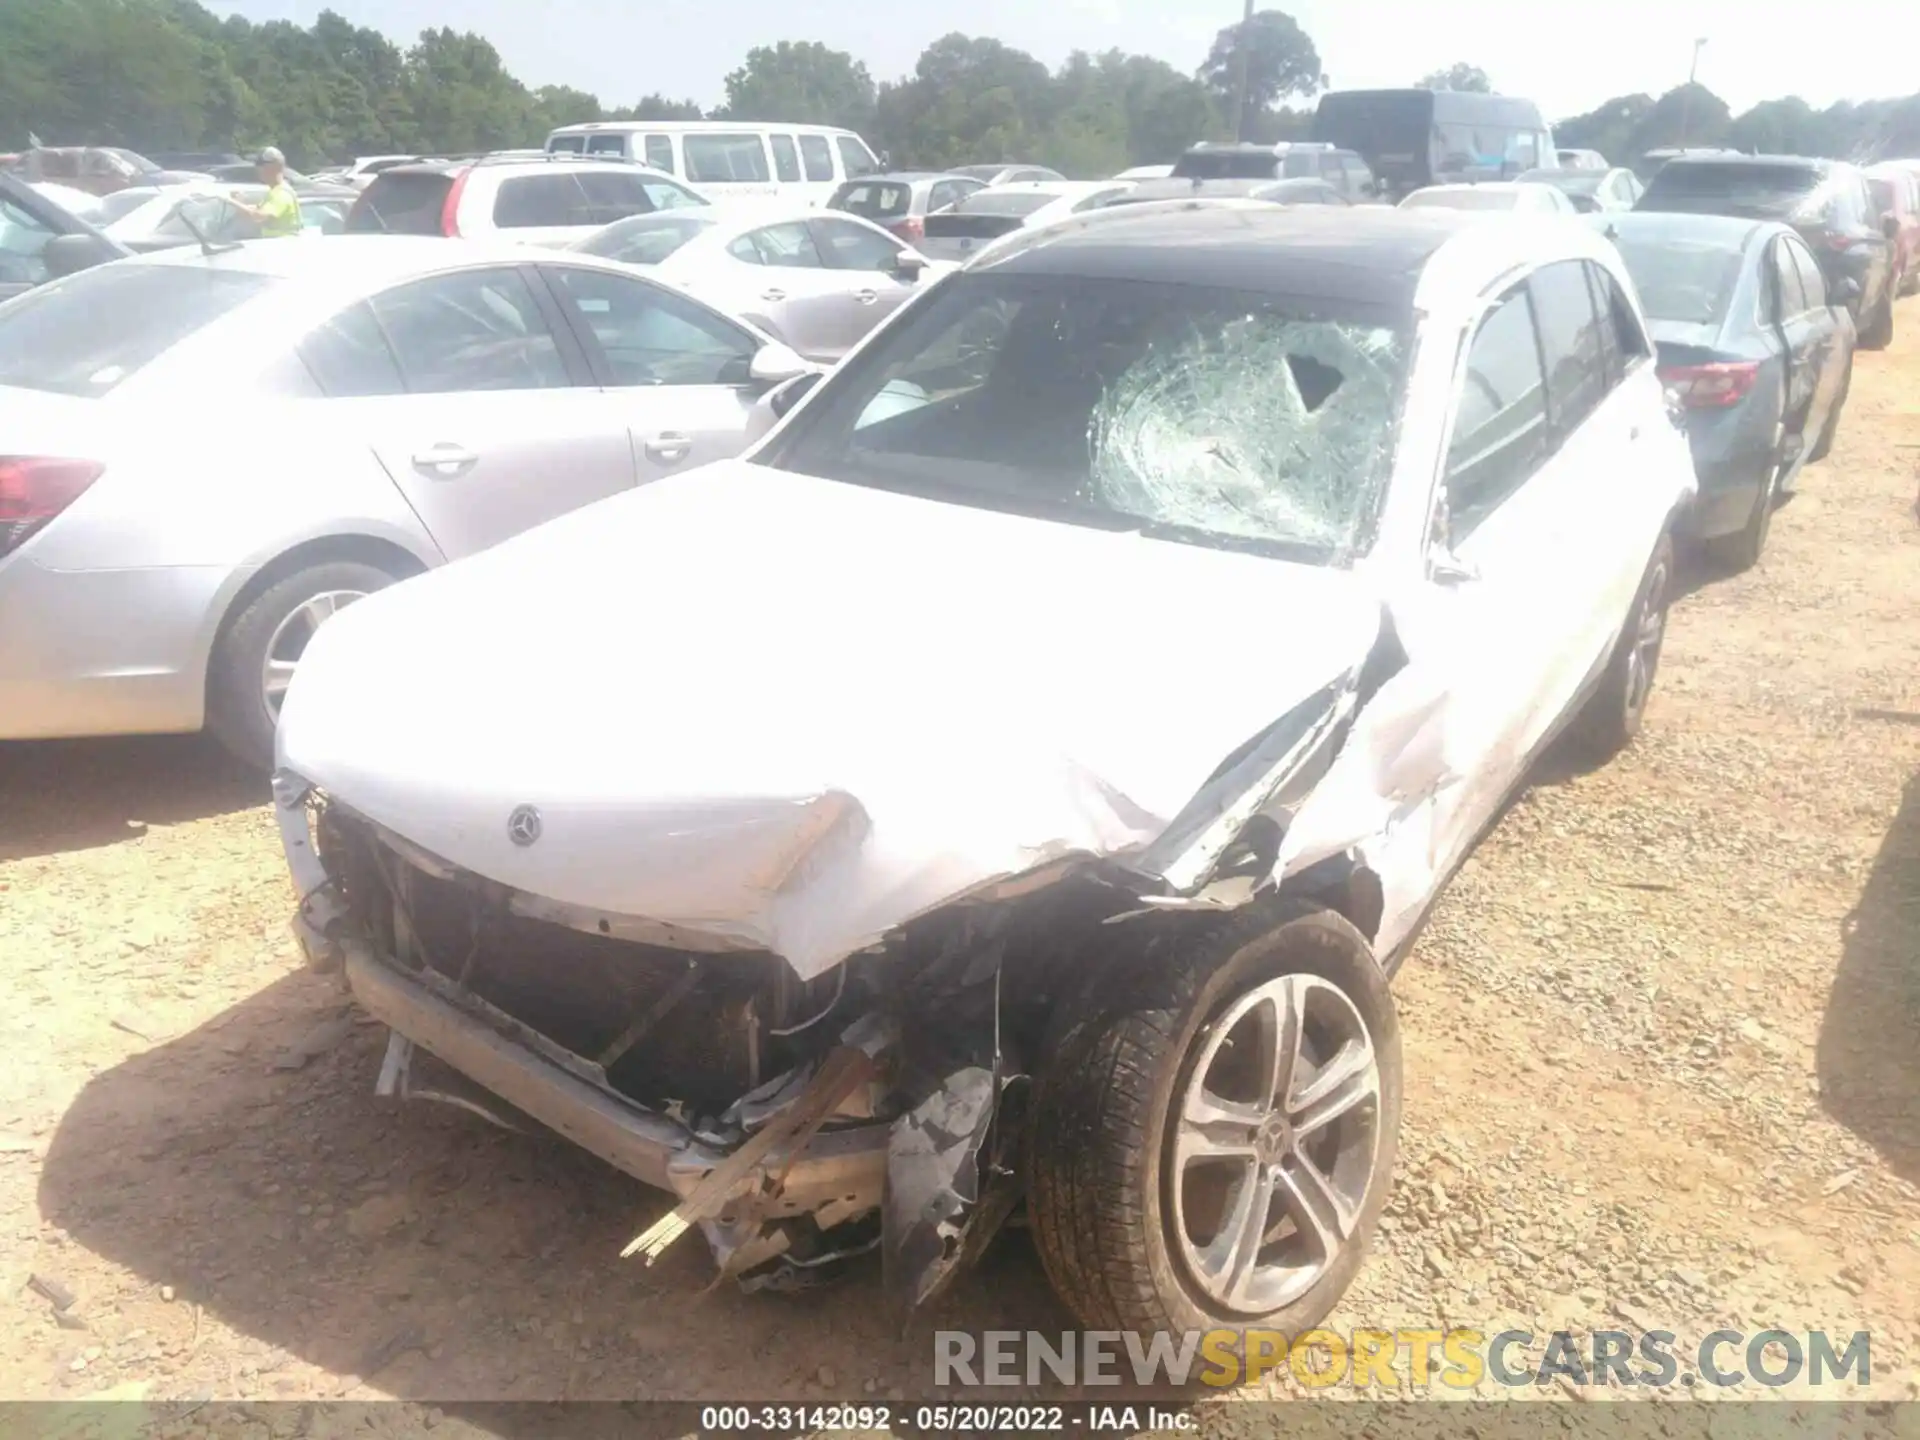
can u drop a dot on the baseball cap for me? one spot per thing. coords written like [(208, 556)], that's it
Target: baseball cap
[(269, 156)]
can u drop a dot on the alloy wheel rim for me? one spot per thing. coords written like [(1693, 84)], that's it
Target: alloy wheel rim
[(290, 640), (1649, 633), (1274, 1143)]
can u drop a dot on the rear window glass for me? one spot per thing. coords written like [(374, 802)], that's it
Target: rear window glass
[(607, 145), (1681, 279), (1470, 197), (1232, 165), (571, 144), (1884, 196), (718, 159), (1004, 202), (1773, 191), (402, 204), (875, 199), (528, 202), (86, 334)]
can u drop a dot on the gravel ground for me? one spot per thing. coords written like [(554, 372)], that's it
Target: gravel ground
[(1660, 1051)]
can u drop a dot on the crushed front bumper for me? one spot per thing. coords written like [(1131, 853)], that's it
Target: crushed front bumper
[(837, 1174)]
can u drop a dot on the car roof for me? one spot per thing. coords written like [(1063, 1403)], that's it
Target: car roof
[(1739, 158), (1364, 254), (559, 162), (1732, 232), (1061, 189), (375, 260)]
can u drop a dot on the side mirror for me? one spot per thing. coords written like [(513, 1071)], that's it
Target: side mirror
[(69, 254), (774, 364), (1447, 568), (789, 394), (909, 264), (1846, 290)]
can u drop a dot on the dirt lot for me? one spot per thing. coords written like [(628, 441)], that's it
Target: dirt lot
[(1661, 1058)]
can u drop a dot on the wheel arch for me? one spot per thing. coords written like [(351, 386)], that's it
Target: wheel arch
[(399, 559)]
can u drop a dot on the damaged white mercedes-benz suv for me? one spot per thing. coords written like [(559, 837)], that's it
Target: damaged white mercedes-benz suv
[(1014, 782)]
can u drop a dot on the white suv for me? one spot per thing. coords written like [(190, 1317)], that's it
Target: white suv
[(537, 202)]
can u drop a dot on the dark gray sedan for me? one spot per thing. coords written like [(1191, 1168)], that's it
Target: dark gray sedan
[(1754, 350)]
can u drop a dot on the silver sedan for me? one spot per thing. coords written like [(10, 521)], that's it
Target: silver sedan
[(386, 404), (819, 281)]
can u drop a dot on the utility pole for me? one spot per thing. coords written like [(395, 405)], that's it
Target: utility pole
[(1686, 95), (1240, 44)]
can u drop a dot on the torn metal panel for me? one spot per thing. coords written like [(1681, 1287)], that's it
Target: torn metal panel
[(761, 782)]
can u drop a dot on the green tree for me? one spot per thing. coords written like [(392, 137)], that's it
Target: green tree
[(1685, 115), (969, 100), (1280, 61), (1609, 128), (563, 105), (659, 107), (802, 81), (1458, 77)]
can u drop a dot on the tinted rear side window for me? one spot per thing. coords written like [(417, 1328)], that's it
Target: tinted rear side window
[(526, 202), (880, 200), (614, 195), (607, 145), (402, 204), (1570, 340), (86, 334), (570, 144)]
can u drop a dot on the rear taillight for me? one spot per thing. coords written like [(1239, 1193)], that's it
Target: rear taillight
[(1711, 387), (912, 229), (34, 489), (450, 209)]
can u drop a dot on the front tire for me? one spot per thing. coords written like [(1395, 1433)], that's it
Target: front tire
[(1213, 1137), (1877, 334), (1613, 713), (255, 657)]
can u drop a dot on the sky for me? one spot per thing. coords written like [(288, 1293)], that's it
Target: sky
[(1567, 60)]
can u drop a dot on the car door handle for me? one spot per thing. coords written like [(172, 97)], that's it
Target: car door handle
[(773, 296), (866, 297), (445, 461), (668, 447)]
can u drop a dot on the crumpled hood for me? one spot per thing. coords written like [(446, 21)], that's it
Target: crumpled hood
[(795, 713)]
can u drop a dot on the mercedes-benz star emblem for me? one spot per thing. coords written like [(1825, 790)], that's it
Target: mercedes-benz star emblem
[(523, 825)]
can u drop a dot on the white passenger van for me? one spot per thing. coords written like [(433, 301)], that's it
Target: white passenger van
[(727, 160)]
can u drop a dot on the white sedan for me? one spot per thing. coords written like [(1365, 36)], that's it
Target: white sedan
[(817, 280), (385, 404), (1511, 197), (986, 215), (1093, 681)]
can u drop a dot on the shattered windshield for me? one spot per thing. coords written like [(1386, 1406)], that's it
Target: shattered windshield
[(1241, 420)]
